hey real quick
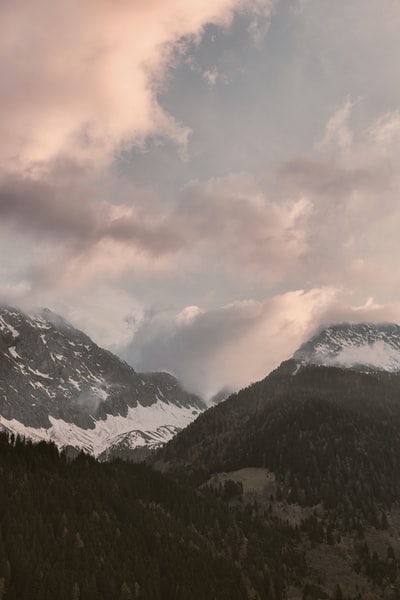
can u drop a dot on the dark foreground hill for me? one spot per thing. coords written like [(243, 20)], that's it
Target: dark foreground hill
[(91, 531)]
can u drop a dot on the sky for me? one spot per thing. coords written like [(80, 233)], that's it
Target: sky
[(199, 185)]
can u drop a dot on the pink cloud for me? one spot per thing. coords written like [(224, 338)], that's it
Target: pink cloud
[(232, 345), (81, 78)]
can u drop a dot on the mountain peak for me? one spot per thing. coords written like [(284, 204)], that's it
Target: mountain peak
[(57, 384), (361, 346)]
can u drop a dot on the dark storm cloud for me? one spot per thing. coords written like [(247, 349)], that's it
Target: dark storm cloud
[(38, 207), (67, 216), (227, 220)]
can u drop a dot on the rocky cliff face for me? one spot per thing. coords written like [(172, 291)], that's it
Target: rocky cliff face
[(56, 383)]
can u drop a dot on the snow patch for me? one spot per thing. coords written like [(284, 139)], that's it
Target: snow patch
[(39, 373), (159, 421), (11, 329), (298, 366), (362, 345), (74, 383), (13, 352), (101, 393), (378, 355)]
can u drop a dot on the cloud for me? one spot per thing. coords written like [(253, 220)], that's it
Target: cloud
[(384, 133), (241, 342), (45, 209), (326, 227), (352, 188), (231, 221), (227, 221), (80, 84), (329, 177), (213, 76), (337, 130), (104, 312), (300, 6), (369, 312), (334, 223), (82, 79), (227, 346), (48, 209)]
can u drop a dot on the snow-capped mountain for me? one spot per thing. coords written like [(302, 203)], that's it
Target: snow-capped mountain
[(361, 346), (56, 384)]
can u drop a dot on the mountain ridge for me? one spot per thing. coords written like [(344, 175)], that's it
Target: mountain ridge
[(57, 384), (362, 346)]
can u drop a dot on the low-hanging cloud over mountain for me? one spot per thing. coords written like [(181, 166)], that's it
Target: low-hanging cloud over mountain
[(240, 342)]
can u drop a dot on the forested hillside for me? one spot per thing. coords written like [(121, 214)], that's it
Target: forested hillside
[(329, 435), (87, 530), (328, 440)]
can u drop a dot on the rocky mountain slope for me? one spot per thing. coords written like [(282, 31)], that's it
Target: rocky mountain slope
[(56, 384), (362, 346)]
